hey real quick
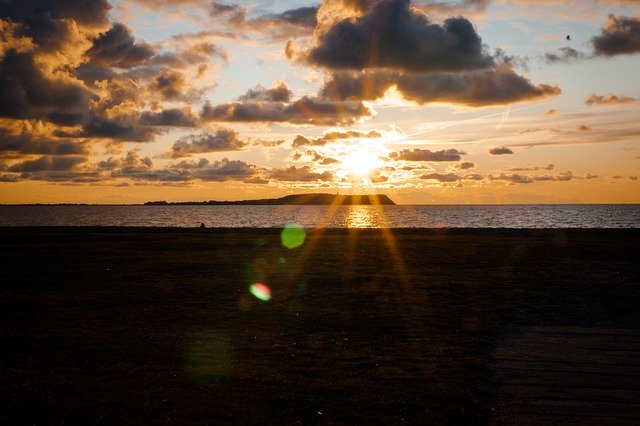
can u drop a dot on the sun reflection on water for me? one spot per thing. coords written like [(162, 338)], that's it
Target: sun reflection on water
[(362, 217)]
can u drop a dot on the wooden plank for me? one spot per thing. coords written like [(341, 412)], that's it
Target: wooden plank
[(568, 375)]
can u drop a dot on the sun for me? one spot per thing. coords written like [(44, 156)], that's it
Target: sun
[(360, 162)]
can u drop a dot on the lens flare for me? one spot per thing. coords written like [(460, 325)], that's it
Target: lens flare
[(261, 291), (293, 236)]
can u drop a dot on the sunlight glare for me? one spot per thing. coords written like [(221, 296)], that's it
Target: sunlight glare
[(361, 162)]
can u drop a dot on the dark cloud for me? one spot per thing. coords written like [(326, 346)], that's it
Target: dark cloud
[(418, 154), (141, 169), (124, 128), (302, 17), (29, 92), (582, 128), (131, 162), (32, 138), (90, 13), (620, 36), (609, 99), (300, 174), (466, 165), (218, 9), (279, 92), (118, 48), (565, 55), (305, 110), (221, 140), (440, 177), (47, 163), (332, 137), (275, 26), (191, 164), (391, 34), (225, 170), (501, 150), (290, 23), (174, 117), (495, 86), (170, 84)]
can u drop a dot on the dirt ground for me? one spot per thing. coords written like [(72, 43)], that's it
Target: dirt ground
[(106, 325)]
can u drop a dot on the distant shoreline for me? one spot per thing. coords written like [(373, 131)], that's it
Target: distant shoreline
[(297, 199)]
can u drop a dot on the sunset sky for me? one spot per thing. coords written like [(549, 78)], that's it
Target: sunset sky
[(505, 101)]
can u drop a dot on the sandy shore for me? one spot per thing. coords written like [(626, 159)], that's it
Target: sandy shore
[(159, 325)]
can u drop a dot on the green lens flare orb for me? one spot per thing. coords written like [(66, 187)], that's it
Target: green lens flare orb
[(293, 236), (261, 291)]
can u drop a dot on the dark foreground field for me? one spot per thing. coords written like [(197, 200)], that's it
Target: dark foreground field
[(158, 326)]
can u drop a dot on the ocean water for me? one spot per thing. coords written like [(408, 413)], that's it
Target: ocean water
[(432, 216)]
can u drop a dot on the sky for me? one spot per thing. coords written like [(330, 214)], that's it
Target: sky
[(428, 102)]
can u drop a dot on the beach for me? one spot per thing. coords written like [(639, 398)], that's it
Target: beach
[(141, 325)]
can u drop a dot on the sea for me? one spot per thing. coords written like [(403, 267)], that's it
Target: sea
[(395, 216)]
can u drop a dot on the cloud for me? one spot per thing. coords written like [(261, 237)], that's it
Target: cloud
[(501, 150), (290, 23), (171, 85), (92, 14), (225, 170), (466, 165), (174, 117), (274, 26), (513, 178), (64, 63), (418, 154), (527, 169), (300, 174), (391, 34), (47, 163), (315, 156), (141, 169), (440, 177), (566, 55), (131, 161), (30, 92), (259, 106), (35, 137), (332, 137), (495, 86), (279, 92), (620, 36), (191, 164), (123, 128), (302, 16), (221, 140), (560, 177), (609, 99), (118, 48), (376, 176), (473, 176)]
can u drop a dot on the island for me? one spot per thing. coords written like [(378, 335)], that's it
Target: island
[(296, 199)]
